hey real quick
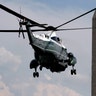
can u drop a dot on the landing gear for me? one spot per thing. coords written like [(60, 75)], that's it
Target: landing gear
[(73, 71), (34, 64), (40, 68), (35, 74)]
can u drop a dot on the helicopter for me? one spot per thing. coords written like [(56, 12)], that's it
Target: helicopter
[(49, 51)]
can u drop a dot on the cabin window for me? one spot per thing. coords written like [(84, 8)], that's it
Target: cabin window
[(46, 36), (57, 39)]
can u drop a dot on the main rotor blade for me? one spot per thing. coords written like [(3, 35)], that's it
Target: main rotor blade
[(67, 29), (76, 18), (86, 28), (15, 31), (21, 16)]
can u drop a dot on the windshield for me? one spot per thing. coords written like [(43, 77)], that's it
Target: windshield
[(57, 39)]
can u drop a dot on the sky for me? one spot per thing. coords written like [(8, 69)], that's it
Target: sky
[(16, 79)]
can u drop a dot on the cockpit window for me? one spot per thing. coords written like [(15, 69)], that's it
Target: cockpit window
[(57, 39)]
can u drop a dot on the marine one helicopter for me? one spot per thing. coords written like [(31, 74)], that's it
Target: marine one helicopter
[(49, 52)]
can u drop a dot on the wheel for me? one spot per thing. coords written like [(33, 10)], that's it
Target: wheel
[(37, 74), (71, 72), (34, 74), (75, 71)]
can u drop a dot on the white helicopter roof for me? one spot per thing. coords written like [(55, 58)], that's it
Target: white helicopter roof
[(52, 37)]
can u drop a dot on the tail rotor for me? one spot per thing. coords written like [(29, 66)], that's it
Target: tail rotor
[(20, 26), (21, 29)]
